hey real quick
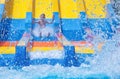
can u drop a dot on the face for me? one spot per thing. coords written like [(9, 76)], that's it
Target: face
[(42, 16)]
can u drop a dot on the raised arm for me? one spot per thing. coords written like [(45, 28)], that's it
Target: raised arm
[(50, 22)]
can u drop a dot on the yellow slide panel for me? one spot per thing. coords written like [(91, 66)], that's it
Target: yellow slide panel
[(19, 9), (45, 49), (29, 5), (7, 50), (8, 8), (43, 6), (68, 9), (15, 9), (80, 6), (95, 8), (55, 6), (85, 50)]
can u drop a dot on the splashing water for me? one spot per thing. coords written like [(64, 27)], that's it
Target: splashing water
[(103, 65)]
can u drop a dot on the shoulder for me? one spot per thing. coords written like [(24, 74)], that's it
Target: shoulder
[(42, 20), (39, 20)]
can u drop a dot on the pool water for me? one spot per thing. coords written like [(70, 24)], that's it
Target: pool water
[(103, 65)]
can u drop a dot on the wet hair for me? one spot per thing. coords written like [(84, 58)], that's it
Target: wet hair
[(42, 15)]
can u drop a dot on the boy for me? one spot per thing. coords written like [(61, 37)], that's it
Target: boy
[(42, 25)]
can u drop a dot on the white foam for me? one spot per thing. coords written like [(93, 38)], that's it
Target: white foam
[(54, 54), (44, 31)]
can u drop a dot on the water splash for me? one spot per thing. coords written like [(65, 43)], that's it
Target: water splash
[(103, 65)]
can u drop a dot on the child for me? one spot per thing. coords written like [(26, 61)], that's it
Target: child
[(42, 24)]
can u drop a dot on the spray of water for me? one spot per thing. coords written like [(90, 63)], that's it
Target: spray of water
[(105, 64)]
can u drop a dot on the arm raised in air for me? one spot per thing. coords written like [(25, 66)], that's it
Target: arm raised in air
[(50, 22)]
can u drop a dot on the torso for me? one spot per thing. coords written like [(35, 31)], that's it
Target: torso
[(42, 23)]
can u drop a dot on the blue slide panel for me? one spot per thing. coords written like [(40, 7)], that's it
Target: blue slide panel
[(73, 29), (12, 29), (73, 35), (21, 56), (1, 10), (102, 25), (28, 20), (6, 59), (70, 58)]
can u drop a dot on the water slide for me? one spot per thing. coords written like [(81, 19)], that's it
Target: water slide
[(21, 45)]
